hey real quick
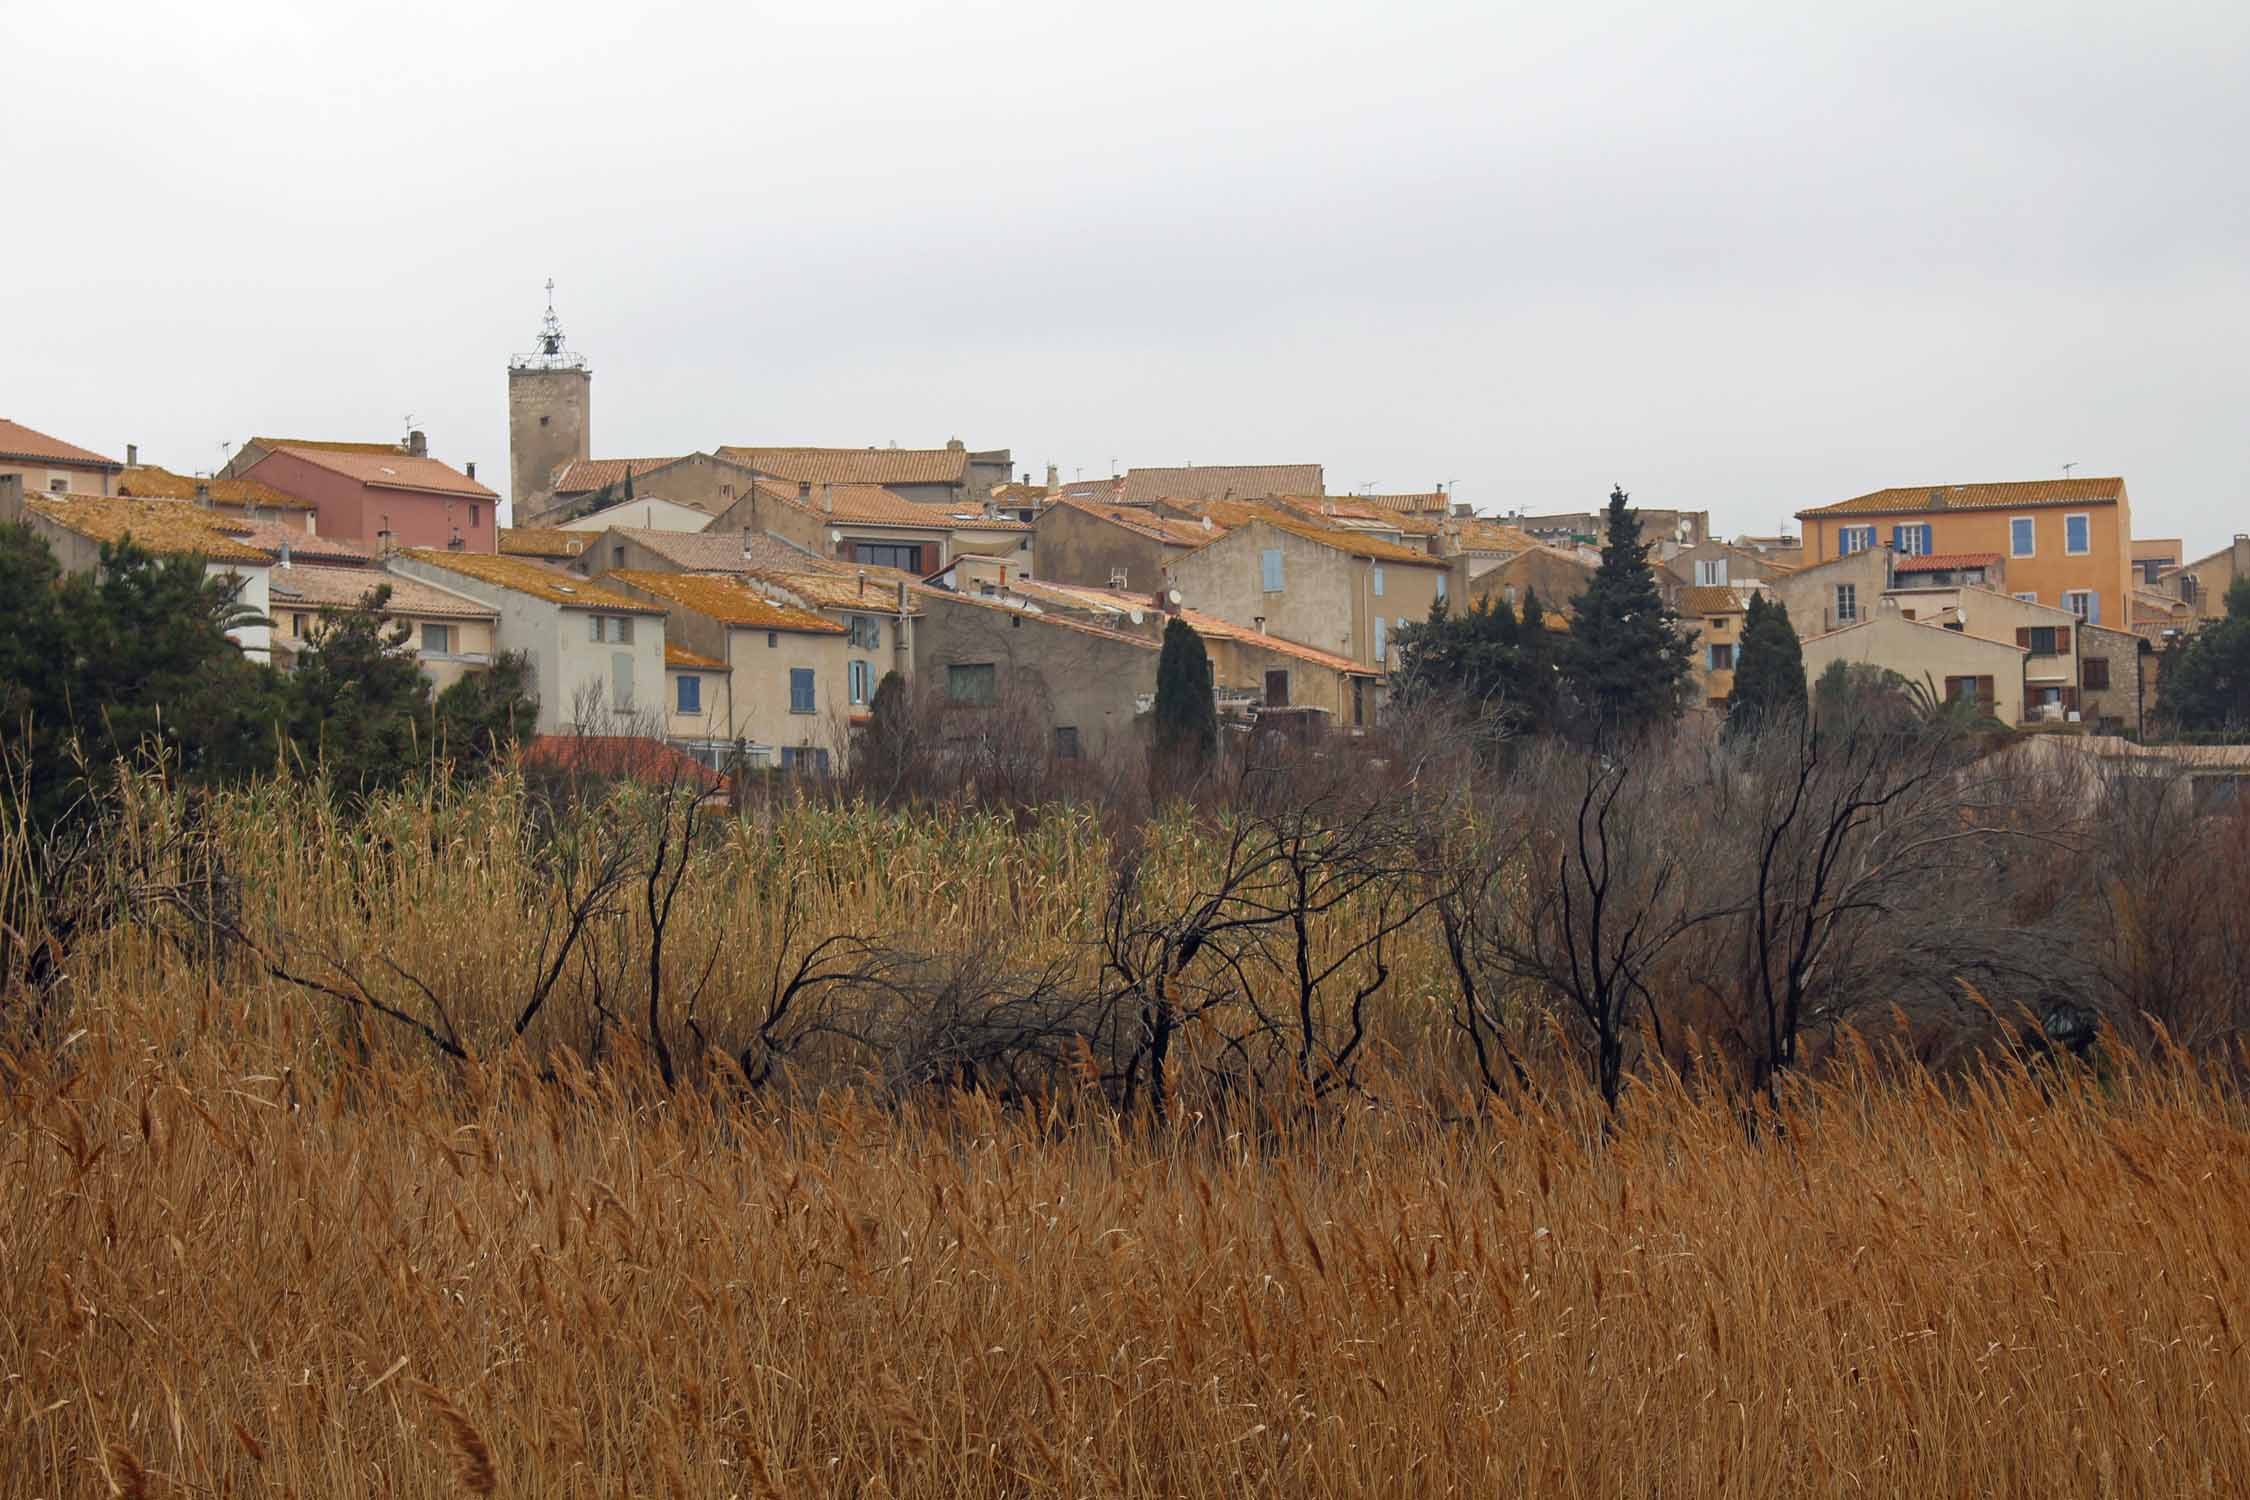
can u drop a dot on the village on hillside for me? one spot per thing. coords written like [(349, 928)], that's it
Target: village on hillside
[(740, 606)]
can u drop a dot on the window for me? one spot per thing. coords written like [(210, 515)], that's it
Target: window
[(2190, 585), (543, 421), (1441, 578), (297, 624), (621, 682), (1972, 689), (860, 680), (805, 759), (800, 690), (1911, 541), (2093, 673), (1269, 570), (617, 555), (2078, 535), (889, 555), (437, 639), (773, 639), (58, 486), (2084, 603), (2040, 639), (2029, 597), (2021, 537), (1711, 574), (1847, 601), (476, 516), (1277, 688), (615, 629), (864, 632), (1854, 539), (977, 682), (1066, 742), (1722, 658), (690, 700), (1382, 640), (1376, 577)]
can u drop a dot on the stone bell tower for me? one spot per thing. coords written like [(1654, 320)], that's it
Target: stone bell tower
[(550, 415)]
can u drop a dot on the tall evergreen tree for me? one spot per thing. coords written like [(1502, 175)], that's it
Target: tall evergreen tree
[(1769, 669), (1627, 663), (1184, 732), (485, 717), (359, 704), (2207, 680)]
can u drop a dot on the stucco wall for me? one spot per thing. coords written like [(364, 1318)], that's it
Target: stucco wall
[(1811, 592), (644, 515), (351, 509), (761, 662), (1074, 547), (2105, 568), (1924, 653), (1327, 597), (1556, 579), (40, 478), (1080, 679)]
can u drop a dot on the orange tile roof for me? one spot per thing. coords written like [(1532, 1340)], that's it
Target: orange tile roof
[(1012, 493), (965, 517), (388, 469), (1479, 535), (523, 576), (165, 527), (682, 659), (725, 598), (872, 505), (1945, 562), (149, 482), (1218, 629), (1037, 617), (1221, 482), (1351, 542), (19, 441), (1146, 523), (825, 590), (1709, 600), (856, 465), (2007, 495), (1437, 502), (270, 537), (592, 473), (543, 541), (271, 443), (344, 588)]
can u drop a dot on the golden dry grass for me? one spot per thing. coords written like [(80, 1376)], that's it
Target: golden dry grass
[(231, 1263)]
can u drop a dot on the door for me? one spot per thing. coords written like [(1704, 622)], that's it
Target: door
[(1277, 689)]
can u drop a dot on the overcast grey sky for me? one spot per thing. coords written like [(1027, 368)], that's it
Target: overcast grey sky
[(1743, 257)]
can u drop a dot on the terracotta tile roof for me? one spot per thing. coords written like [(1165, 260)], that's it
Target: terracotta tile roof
[(682, 659), (1224, 514), (856, 465), (152, 483), (2009, 495), (1019, 494), (388, 469), (1479, 535), (592, 473), (1708, 600), (523, 576), (825, 590), (969, 518), (872, 505), (19, 441), (1096, 490), (1946, 562), (165, 527), (1213, 626), (632, 757), (1162, 528), (1221, 482), (1437, 502), (543, 541), (344, 588), (980, 601), (726, 599), (271, 443), (1350, 542), (270, 536)]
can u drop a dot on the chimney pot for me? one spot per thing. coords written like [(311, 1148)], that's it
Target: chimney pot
[(804, 489), (417, 446), (203, 493), (472, 468), (132, 455)]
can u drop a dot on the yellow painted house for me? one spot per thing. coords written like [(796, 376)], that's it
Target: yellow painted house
[(2066, 542)]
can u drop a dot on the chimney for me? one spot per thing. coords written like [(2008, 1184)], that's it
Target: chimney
[(1003, 578), (1054, 479), (804, 491), (955, 445), (827, 498), (472, 468), (902, 602), (285, 561), (1027, 479), (863, 583), (203, 493), (132, 455), (417, 446)]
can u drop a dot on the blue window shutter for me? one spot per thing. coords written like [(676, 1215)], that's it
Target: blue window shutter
[(1898, 538)]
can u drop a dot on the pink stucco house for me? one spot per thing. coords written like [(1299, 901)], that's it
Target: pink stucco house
[(365, 490)]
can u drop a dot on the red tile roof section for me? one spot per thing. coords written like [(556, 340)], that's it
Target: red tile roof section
[(2010, 494), (1946, 562), (19, 441), (856, 465), (389, 469)]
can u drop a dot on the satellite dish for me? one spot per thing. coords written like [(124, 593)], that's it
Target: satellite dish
[(1135, 617), (836, 536), (1173, 595)]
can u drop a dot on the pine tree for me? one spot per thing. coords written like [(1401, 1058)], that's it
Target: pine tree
[(2207, 681), (1184, 734), (1627, 664), (359, 704), (1769, 669)]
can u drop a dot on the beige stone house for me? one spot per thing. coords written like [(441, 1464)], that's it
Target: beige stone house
[(1831, 595), (1086, 684), (1336, 591), (450, 634), (1950, 663), (50, 466), (1556, 576), (877, 613), (1712, 619), (596, 654), (784, 684)]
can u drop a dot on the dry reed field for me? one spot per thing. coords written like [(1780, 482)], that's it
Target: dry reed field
[(248, 1247)]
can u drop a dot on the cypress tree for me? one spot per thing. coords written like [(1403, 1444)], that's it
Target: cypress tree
[(1769, 670), (1185, 727), (1627, 664)]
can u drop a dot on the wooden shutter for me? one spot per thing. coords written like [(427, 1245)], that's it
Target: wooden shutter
[(2069, 699), (1988, 692), (2062, 640), (2023, 636), (2094, 672)]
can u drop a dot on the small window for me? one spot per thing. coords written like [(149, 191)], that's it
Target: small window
[(2021, 536), (2093, 673), (615, 629), (1269, 570), (1847, 602), (773, 639), (476, 516), (621, 682), (2030, 596), (58, 486), (1722, 658), (617, 555), (860, 679), (543, 421), (800, 690), (2043, 641), (1277, 688), (1441, 579), (1911, 541), (975, 683), (690, 700), (1711, 573), (297, 624), (1855, 539), (2078, 535), (1376, 580), (2084, 603), (1066, 742), (1382, 640), (437, 639)]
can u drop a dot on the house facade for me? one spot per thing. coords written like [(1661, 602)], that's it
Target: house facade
[(377, 492), (76, 527), (2065, 542), (450, 634), (1085, 684), (1952, 664), (1333, 590), (1712, 619), (50, 466), (596, 654)]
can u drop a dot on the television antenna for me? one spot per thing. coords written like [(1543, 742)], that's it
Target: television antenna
[(2067, 468)]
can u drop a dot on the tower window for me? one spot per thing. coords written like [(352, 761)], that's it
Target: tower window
[(542, 421)]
